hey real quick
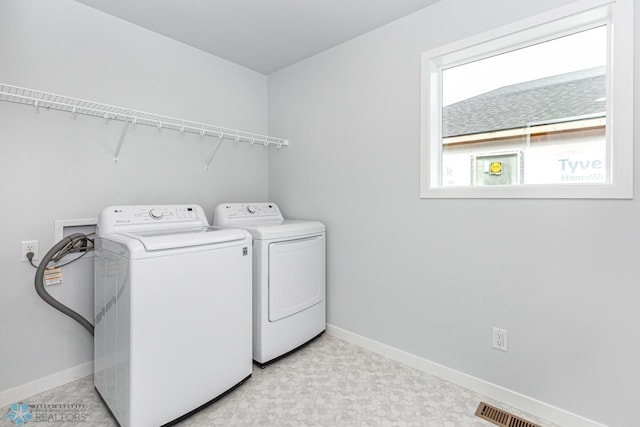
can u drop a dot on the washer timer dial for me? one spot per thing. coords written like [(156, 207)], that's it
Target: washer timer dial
[(155, 213), (251, 209)]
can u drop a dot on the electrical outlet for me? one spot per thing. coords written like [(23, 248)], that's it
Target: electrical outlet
[(499, 339), (29, 246)]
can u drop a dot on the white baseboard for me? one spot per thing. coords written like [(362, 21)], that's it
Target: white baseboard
[(16, 394), (493, 391)]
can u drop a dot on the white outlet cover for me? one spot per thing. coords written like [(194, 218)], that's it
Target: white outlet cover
[(499, 339), (29, 246)]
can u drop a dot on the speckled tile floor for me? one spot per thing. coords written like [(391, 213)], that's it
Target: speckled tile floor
[(327, 383)]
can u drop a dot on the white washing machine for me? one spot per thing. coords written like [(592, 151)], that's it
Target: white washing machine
[(172, 312), (289, 307)]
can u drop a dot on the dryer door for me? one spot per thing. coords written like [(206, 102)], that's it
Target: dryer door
[(296, 275)]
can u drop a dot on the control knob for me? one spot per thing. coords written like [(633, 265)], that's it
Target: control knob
[(251, 209), (155, 213)]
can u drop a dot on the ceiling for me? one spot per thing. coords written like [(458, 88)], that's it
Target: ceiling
[(263, 35)]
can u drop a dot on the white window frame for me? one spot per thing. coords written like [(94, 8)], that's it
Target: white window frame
[(584, 14)]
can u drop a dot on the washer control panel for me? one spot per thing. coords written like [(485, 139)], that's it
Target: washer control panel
[(228, 213), (158, 216)]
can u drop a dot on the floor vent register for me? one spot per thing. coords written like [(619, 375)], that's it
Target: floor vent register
[(501, 418)]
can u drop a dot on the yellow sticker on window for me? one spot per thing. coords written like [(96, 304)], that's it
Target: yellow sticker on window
[(496, 168)]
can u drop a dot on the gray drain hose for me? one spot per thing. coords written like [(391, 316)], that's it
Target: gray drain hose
[(39, 283)]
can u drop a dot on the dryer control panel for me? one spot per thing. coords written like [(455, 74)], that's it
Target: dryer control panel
[(142, 217), (235, 213)]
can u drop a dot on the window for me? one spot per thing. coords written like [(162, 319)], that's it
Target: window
[(539, 109)]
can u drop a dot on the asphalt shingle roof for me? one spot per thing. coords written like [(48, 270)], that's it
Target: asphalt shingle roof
[(537, 101)]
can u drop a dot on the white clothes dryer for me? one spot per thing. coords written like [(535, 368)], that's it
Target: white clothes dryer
[(172, 312), (289, 308)]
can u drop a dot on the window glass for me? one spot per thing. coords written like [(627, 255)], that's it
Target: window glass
[(544, 104)]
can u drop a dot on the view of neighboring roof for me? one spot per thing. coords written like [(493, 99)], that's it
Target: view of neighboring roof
[(546, 100)]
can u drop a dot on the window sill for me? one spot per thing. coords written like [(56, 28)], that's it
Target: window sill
[(587, 191)]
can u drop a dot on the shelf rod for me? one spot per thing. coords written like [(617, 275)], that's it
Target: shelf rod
[(122, 135), (215, 150)]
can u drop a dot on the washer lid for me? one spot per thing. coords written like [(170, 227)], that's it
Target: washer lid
[(154, 240), (285, 228)]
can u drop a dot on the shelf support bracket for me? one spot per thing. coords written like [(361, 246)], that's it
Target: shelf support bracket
[(215, 150), (122, 135)]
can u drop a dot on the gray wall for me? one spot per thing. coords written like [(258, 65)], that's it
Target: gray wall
[(432, 277), (55, 167)]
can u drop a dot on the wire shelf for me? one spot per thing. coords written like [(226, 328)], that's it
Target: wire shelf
[(39, 99)]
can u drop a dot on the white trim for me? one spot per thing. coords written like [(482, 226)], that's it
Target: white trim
[(546, 25), (21, 392), (493, 391), (63, 227), (59, 226), (622, 95), (580, 14)]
